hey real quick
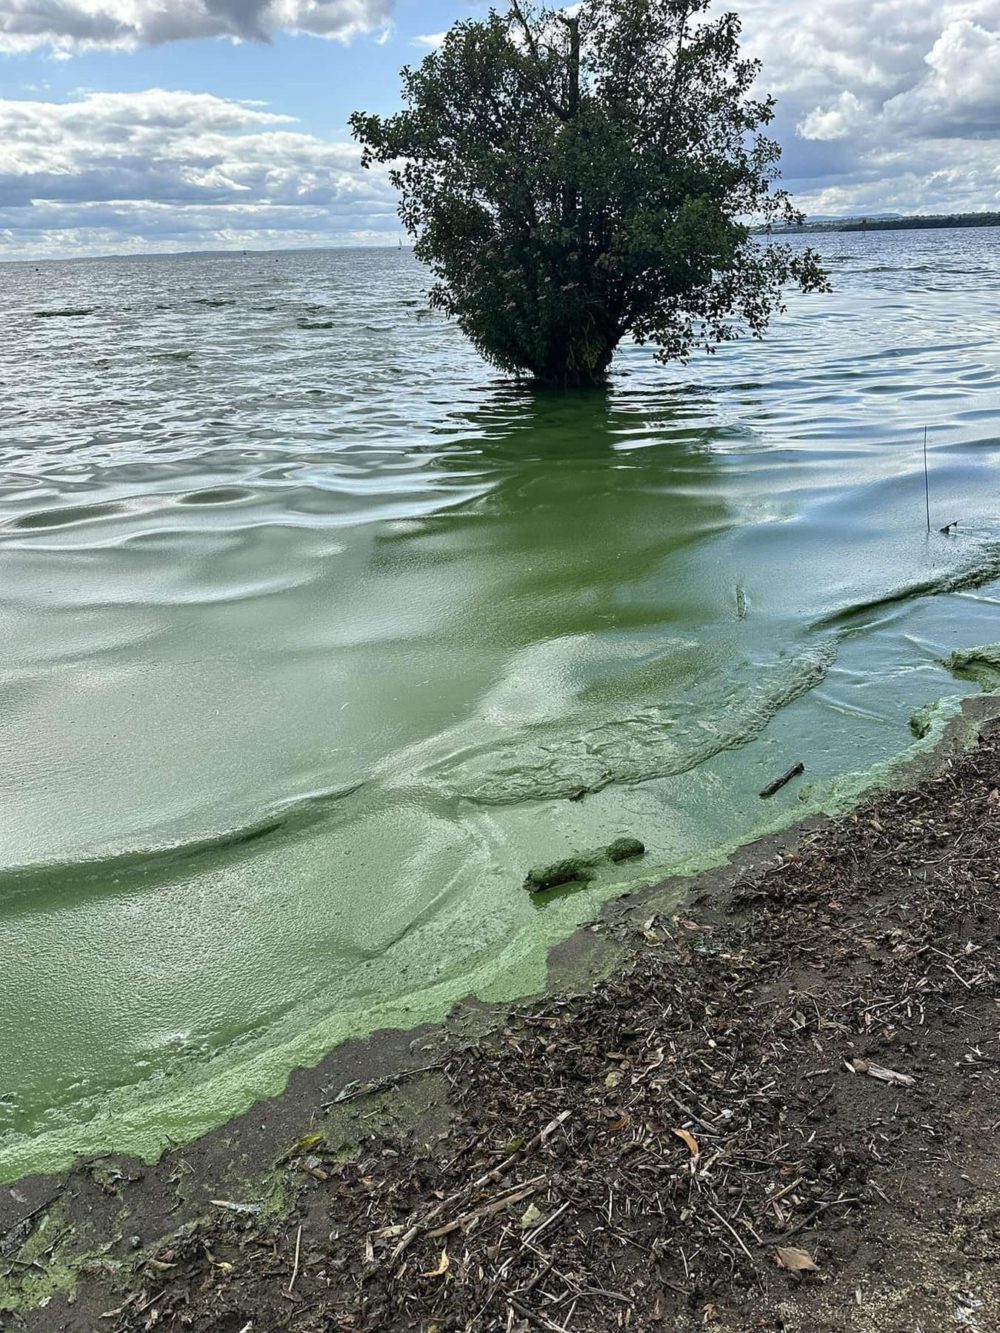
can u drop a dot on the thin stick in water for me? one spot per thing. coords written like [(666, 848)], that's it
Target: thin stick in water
[(927, 485)]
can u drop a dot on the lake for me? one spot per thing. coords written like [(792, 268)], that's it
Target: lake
[(312, 625)]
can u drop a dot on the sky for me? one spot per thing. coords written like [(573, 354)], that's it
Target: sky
[(130, 126)]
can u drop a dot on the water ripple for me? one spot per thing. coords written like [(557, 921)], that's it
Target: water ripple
[(269, 527)]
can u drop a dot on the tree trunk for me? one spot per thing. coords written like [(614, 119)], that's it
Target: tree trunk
[(573, 90), (571, 364), (570, 201)]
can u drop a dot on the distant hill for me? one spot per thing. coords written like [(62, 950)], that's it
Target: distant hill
[(883, 222)]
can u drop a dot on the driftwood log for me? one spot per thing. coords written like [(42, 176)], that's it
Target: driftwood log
[(795, 771)]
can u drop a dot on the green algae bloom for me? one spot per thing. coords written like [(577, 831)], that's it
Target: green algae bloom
[(979, 664)]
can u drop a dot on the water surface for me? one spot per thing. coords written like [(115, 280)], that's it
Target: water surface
[(311, 624)]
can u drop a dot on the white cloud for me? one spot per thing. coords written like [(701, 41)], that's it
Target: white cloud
[(959, 95), (75, 25), (163, 169), (430, 41), (838, 121), (884, 105)]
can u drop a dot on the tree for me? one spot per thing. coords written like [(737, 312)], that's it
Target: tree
[(574, 176)]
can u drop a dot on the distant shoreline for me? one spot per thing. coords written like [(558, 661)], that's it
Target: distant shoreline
[(921, 222)]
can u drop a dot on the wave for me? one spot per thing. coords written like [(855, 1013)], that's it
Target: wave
[(657, 742), (124, 868), (63, 314), (962, 580)]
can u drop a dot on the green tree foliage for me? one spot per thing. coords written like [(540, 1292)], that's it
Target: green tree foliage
[(574, 176)]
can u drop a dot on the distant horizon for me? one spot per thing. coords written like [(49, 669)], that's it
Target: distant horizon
[(834, 223), (212, 253)]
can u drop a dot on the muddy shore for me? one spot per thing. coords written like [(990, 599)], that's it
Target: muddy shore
[(772, 1109)]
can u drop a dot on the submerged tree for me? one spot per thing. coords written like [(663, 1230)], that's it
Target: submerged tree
[(573, 176)]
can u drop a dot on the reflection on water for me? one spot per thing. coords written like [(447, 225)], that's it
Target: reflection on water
[(311, 625)]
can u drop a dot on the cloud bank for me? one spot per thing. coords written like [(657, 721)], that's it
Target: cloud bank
[(176, 170), (884, 105), (75, 25)]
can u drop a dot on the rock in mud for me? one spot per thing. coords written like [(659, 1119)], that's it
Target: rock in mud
[(560, 872), (623, 849), (580, 869)]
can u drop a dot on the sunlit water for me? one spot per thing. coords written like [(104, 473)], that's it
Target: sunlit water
[(311, 624)]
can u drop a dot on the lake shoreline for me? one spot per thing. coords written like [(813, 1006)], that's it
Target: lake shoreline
[(272, 532), (801, 1058)]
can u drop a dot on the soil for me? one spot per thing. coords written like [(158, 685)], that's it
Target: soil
[(778, 1111)]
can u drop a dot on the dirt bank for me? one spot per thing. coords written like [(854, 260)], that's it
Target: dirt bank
[(798, 1069)]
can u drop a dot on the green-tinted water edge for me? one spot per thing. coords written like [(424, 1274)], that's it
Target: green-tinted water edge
[(312, 625)]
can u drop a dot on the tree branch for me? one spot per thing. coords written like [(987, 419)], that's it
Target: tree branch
[(529, 37)]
